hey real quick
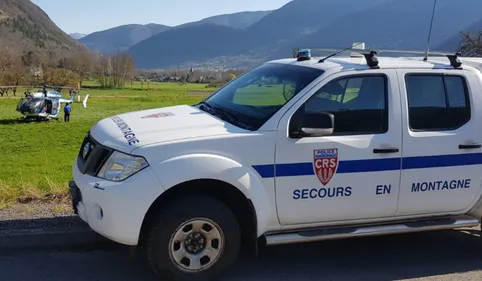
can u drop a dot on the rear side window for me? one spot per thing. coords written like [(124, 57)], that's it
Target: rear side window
[(437, 102)]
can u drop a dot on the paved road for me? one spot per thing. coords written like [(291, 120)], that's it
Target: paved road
[(447, 255)]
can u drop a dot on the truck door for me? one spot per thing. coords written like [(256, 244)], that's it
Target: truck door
[(352, 174), (442, 160)]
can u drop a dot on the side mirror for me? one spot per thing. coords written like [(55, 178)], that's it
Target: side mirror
[(317, 124)]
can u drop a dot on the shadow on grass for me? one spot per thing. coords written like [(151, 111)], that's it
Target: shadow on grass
[(22, 121)]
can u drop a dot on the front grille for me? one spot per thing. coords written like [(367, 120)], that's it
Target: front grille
[(92, 156)]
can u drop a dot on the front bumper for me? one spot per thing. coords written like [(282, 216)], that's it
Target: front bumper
[(77, 204), (75, 195), (115, 210)]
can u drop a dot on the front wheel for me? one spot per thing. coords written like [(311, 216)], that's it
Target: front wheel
[(197, 238)]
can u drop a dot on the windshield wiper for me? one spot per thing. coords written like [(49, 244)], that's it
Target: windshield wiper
[(207, 107), (217, 111), (231, 117)]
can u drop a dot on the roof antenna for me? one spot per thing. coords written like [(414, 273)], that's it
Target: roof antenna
[(430, 31), (334, 54)]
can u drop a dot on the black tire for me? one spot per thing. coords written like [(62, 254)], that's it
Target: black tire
[(173, 216)]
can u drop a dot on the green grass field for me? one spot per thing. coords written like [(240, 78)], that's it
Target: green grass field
[(37, 157)]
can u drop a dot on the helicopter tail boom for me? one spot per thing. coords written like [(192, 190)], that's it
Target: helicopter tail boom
[(84, 102)]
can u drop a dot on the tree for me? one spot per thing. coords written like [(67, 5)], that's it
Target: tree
[(471, 46), (12, 71), (15, 75), (80, 63), (31, 59), (123, 69), (102, 70), (115, 71), (60, 77)]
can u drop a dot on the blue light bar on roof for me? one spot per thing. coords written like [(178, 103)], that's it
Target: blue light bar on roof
[(304, 54)]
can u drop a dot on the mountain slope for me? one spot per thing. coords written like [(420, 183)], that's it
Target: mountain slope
[(302, 17), (453, 43), (381, 24), (239, 20), (121, 38), (386, 26), (293, 19), (24, 27), (198, 42)]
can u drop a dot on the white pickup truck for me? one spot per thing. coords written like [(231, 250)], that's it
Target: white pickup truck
[(295, 150)]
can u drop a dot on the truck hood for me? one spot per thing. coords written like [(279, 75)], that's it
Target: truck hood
[(128, 131)]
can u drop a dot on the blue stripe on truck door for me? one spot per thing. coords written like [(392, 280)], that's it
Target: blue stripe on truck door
[(372, 165)]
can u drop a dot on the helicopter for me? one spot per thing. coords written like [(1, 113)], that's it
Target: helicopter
[(44, 104)]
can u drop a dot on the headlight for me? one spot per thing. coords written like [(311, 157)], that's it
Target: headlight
[(120, 166)]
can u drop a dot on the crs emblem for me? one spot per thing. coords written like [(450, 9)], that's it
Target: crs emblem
[(325, 163)]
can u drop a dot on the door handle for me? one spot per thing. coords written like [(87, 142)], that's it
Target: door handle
[(385, 150), (469, 146)]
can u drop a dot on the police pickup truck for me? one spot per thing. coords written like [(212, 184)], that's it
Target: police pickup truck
[(296, 150)]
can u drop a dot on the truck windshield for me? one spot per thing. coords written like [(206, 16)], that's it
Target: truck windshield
[(250, 100)]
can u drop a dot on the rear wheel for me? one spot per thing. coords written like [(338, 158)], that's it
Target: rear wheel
[(197, 238)]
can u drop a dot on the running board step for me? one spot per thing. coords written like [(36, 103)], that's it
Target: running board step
[(369, 230)]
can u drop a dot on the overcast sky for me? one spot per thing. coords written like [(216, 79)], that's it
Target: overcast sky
[(87, 16)]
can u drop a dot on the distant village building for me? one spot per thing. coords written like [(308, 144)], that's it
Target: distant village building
[(157, 78)]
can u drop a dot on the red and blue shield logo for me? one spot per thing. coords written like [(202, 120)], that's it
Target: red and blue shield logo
[(325, 164)]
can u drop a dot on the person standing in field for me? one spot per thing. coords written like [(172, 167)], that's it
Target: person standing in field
[(67, 110)]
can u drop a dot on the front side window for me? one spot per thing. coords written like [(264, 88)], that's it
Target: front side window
[(437, 102), (250, 100), (358, 103)]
